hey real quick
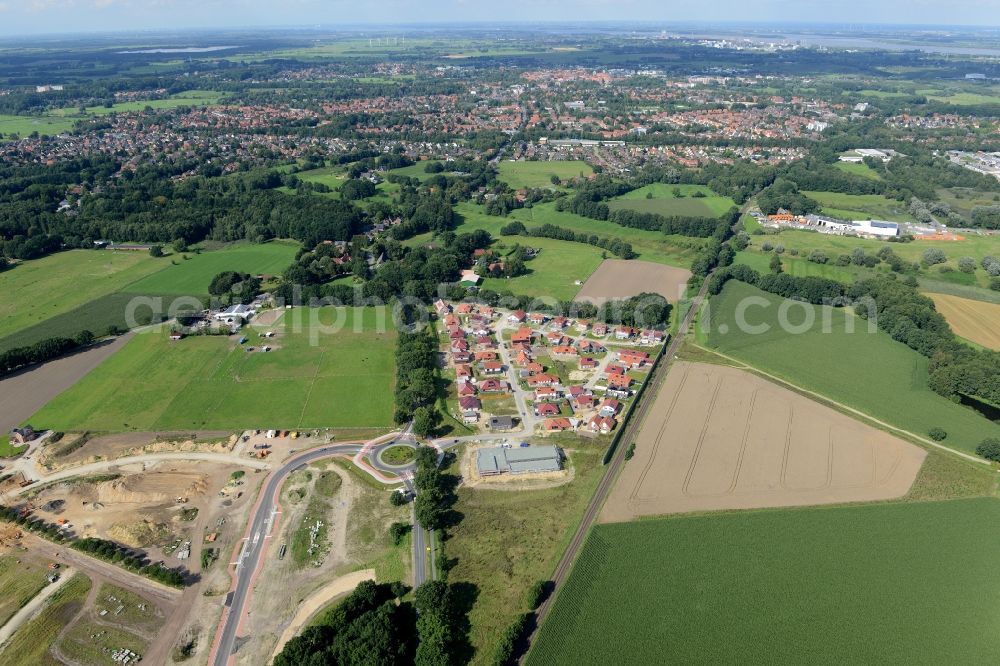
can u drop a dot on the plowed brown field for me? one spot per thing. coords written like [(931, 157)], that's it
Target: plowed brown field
[(617, 278), (721, 438)]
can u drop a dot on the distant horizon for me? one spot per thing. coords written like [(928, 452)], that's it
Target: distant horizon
[(57, 18)]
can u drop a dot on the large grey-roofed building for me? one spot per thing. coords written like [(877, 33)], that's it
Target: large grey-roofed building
[(532, 459)]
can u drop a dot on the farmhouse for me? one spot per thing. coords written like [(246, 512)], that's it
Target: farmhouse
[(239, 312), (21, 436), (524, 460)]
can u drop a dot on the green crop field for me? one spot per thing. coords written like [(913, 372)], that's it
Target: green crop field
[(311, 378), (539, 174), (870, 372), (664, 202), (192, 276), (861, 206), (552, 274), (37, 290), (905, 583)]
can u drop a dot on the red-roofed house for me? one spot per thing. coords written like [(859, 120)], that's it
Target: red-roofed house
[(602, 424), (546, 409), (558, 425)]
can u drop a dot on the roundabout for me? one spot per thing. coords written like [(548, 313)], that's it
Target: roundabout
[(397, 455)]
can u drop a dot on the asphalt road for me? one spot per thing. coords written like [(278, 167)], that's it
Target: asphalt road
[(251, 556), (614, 466)]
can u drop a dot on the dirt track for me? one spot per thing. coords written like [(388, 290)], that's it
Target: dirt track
[(24, 393), (618, 278), (720, 438)]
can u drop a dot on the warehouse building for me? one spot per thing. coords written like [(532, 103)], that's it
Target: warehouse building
[(524, 460)]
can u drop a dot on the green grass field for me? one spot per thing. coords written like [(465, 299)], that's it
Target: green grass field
[(973, 245), (858, 169), (552, 274), (906, 583), (332, 177), (870, 372), (539, 174), (649, 245), (31, 643), (799, 266), (192, 276), (62, 120), (25, 125), (663, 201), (21, 579), (40, 289), (344, 380), (861, 206)]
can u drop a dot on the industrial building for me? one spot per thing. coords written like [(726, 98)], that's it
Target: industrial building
[(524, 460)]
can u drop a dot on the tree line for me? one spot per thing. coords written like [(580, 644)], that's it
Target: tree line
[(615, 246)]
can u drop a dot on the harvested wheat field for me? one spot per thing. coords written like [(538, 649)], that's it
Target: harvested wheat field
[(721, 438), (618, 278), (973, 320)]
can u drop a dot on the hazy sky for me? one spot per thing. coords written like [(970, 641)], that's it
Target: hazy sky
[(22, 17)]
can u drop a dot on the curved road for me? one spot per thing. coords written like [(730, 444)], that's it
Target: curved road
[(251, 557)]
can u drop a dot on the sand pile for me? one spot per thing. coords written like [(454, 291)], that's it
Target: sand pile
[(152, 488)]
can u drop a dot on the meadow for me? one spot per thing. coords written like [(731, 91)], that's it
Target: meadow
[(31, 643), (520, 175), (654, 246), (861, 206), (508, 540), (191, 276), (551, 274), (62, 120), (37, 290), (973, 245), (869, 372), (880, 583), (858, 169), (664, 202), (21, 579), (311, 379)]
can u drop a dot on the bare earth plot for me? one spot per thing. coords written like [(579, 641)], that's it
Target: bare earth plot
[(24, 393), (721, 438), (973, 320), (618, 278)]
